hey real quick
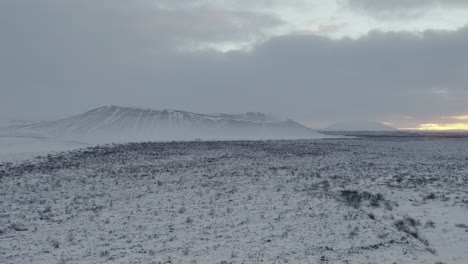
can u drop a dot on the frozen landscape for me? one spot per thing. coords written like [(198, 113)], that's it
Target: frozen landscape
[(356, 200), (233, 132)]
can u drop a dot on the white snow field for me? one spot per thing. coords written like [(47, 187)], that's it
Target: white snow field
[(307, 201), (14, 149)]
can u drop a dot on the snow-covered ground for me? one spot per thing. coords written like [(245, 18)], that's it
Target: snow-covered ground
[(323, 201)]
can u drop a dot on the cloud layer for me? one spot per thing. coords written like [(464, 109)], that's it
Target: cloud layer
[(402, 8), (73, 56)]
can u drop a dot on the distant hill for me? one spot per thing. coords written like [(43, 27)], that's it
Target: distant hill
[(116, 124), (360, 126)]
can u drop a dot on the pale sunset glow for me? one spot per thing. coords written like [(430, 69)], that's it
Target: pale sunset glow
[(440, 127), (387, 123), (461, 117), (453, 124)]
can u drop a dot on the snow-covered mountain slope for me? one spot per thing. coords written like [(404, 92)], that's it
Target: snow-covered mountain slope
[(5, 122), (251, 116), (360, 126), (116, 124)]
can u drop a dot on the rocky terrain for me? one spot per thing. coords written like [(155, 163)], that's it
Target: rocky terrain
[(369, 200)]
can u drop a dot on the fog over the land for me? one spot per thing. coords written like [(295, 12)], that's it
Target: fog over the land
[(62, 57)]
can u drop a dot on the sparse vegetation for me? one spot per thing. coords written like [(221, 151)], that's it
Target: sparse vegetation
[(356, 199), (430, 224), (55, 243), (354, 232), (104, 253), (409, 226)]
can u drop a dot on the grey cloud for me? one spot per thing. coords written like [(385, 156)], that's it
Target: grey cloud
[(375, 76), (62, 48), (242, 4), (128, 24), (213, 25)]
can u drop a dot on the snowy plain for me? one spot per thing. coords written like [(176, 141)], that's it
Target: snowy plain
[(15, 149), (367, 200)]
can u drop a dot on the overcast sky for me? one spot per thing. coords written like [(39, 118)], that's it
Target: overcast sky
[(404, 62)]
